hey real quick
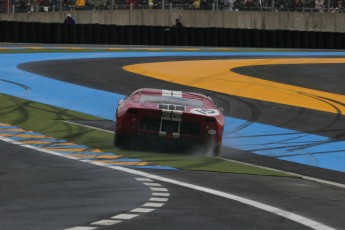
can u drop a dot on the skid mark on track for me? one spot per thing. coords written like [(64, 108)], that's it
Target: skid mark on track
[(217, 75)]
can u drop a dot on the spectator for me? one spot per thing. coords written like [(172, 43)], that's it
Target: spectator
[(178, 23), (80, 4), (68, 5), (196, 4), (203, 5), (69, 19)]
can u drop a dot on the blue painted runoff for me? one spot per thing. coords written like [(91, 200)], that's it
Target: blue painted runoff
[(277, 142)]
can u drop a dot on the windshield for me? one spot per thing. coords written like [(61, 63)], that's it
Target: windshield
[(171, 100)]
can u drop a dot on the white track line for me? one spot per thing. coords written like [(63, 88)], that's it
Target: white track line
[(274, 210)]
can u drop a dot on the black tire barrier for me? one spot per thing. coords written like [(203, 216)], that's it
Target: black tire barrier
[(246, 38), (136, 35), (13, 32), (230, 37), (167, 36), (128, 35), (55, 33), (144, 35), (343, 40), (319, 44), (183, 36), (46, 33), (159, 37), (255, 38), (238, 37), (328, 40), (271, 39), (5, 31), (304, 39), (199, 36), (64, 33), (263, 38), (34, 32), (81, 33), (338, 41), (31, 29), (88, 34), (213, 36), (207, 37), (39, 32), (112, 34), (72, 33), (191, 31), (151, 30), (221, 34), (296, 39), (311, 39), (22, 32), (287, 39), (96, 34), (104, 34), (280, 38), (175, 36), (120, 35)]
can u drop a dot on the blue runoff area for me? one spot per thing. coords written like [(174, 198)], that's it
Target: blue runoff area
[(277, 142)]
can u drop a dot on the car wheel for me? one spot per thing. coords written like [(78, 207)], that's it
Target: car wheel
[(121, 141)]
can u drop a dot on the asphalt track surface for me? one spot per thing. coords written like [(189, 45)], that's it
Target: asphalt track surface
[(186, 208)]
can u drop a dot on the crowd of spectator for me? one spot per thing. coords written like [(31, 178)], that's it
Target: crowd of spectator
[(234, 5)]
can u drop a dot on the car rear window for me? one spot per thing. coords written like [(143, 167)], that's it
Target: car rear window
[(171, 100)]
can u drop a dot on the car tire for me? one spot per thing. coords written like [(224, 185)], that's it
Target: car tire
[(121, 141)]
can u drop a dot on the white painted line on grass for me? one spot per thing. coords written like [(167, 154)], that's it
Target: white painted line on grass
[(87, 126)]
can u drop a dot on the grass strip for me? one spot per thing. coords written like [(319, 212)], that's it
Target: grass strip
[(47, 120)]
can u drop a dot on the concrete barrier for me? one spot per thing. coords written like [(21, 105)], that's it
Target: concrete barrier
[(329, 22)]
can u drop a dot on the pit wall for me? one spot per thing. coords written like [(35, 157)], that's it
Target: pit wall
[(300, 21)]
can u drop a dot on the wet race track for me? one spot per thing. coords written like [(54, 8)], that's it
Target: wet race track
[(42, 191)]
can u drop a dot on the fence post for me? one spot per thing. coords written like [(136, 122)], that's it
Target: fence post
[(163, 3)]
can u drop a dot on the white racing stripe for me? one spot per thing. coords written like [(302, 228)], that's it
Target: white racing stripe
[(166, 93), (274, 210)]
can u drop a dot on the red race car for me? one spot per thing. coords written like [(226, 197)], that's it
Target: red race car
[(173, 117)]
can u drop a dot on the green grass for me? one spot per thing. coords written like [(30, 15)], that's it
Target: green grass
[(48, 120)]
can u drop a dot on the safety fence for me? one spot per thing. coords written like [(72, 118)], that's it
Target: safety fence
[(57, 33)]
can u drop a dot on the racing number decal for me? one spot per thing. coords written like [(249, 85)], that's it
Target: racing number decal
[(206, 112)]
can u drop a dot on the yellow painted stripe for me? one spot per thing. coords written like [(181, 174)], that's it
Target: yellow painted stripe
[(123, 163), (13, 130), (96, 156), (64, 143), (67, 149), (6, 135), (38, 142), (217, 76), (30, 136)]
